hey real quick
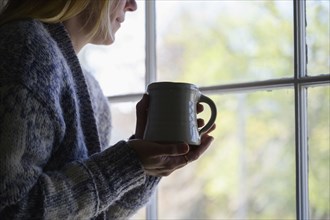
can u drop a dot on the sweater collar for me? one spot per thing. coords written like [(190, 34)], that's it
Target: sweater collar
[(88, 121)]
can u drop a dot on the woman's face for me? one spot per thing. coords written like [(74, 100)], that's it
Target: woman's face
[(117, 16)]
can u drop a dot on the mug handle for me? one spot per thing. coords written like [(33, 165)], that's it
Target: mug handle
[(213, 108)]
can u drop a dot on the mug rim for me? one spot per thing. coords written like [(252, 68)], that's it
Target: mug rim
[(171, 85)]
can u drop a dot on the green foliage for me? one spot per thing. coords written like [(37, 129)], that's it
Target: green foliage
[(319, 151), (230, 48)]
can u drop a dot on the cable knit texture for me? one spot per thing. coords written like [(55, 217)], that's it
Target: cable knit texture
[(55, 162)]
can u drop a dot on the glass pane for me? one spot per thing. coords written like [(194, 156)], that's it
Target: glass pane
[(318, 36), (249, 171), (319, 151), (219, 42), (120, 68), (123, 121), (140, 215)]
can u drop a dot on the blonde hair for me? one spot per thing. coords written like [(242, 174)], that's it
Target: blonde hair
[(56, 11)]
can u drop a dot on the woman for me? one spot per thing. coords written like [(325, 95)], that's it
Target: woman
[(55, 159)]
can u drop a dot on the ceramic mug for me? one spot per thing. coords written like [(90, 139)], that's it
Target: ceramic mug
[(172, 113)]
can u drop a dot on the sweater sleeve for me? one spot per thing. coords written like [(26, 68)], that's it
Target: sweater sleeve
[(131, 199), (80, 189), (128, 205)]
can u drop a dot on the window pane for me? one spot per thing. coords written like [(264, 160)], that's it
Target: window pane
[(318, 36), (120, 68), (218, 42), (319, 151), (140, 215), (249, 171), (123, 121)]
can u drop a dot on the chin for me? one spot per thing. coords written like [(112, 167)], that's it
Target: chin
[(111, 40), (107, 41)]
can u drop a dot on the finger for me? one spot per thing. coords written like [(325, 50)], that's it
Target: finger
[(167, 168), (212, 128), (158, 173), (158, 150), (154, 172), (169, 163), (200, 122), (173, 163), (194, 154), (200, 108)]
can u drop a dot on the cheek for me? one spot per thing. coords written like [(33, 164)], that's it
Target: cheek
[(114, 27)]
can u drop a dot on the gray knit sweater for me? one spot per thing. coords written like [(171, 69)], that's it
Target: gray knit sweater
[(55, 159)]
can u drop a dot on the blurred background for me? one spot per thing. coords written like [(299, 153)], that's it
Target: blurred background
[(249, 171)]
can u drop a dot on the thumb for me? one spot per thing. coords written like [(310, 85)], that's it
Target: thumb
[(141, 116), (142, 105)]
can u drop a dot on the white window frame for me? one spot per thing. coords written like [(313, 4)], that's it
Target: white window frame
[(300, 83)]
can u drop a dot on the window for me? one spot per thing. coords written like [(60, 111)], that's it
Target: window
[(269, 75)]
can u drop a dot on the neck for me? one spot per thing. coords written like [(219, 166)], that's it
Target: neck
[(76, 33)]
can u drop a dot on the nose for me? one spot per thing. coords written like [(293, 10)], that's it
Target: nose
[(130, 5)]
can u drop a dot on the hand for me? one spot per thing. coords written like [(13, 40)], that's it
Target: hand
[(159, 159), (162, 159)]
